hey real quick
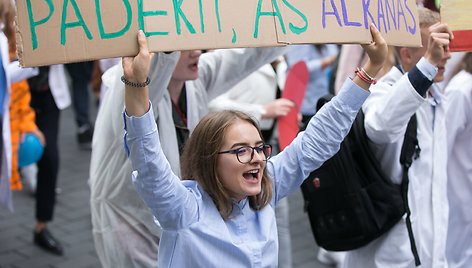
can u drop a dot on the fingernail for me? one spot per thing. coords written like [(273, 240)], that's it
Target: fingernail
[(140, 33)]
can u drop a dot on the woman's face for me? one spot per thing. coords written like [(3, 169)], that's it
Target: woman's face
[(187, 66), (241, 180)]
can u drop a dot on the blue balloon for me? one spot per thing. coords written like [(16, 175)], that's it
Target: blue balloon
[(30, 150)]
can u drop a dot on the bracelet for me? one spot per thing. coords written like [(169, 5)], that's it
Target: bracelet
[(364, 76), (129, 83)]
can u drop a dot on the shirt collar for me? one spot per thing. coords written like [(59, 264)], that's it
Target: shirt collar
[(435, 94), (241, 204)]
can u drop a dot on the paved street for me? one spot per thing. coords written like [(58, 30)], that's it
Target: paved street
[(72, 223)]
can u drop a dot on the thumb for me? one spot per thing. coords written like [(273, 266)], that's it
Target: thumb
[(376, 36), (142, 42)]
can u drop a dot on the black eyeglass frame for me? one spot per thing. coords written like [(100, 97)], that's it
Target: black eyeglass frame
[(235, 151)]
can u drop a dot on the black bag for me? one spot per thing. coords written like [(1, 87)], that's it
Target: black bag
[(349, 200)]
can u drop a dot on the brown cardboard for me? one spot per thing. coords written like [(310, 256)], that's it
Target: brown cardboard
[(350, 26), (204, 24), (457, 14)]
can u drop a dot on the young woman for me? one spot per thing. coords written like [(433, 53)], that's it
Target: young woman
[(222, 213)]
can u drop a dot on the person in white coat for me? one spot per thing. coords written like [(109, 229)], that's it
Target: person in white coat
[(406, 90), (123, 228), (11, 73), (459, 188), (5, 142)]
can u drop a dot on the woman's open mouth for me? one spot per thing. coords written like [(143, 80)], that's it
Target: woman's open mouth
[(252, 176)]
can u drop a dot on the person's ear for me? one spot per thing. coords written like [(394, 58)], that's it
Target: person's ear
[(407, 58), (405, 55)]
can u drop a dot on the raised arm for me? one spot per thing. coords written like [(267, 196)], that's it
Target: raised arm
[(377, 51), (327, 129), (224, 68), (398, 96), (135, 73), (162, 191)]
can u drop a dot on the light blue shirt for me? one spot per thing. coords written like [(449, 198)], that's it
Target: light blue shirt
[(194, 233)]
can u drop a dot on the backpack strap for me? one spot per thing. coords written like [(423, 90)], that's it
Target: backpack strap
[(410, 151)]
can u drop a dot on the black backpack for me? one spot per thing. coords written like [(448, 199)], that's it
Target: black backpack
[(349, 200)]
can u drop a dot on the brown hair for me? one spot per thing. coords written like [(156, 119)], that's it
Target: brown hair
[(467, 62), (9, 27), (3, 11), (427, 17), (200, 155)]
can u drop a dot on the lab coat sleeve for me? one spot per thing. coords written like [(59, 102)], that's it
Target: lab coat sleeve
[(160, 73), (17, 73), (221, 70), (389, 108)]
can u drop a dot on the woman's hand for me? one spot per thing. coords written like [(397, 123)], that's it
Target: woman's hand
[(136, 70), (328, 61), (377, 52)]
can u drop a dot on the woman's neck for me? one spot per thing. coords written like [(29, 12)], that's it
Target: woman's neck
[(175, 89)]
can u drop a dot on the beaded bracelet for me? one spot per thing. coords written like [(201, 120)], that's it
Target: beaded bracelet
[(365, 76), (129, 83)]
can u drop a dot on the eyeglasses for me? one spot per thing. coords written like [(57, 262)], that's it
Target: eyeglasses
[(245, 154)]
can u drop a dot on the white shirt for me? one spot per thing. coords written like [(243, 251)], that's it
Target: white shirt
[(5, 158), (58, 86), (459, 127)]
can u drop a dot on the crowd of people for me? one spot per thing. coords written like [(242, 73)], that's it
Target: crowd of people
[(186, 168)]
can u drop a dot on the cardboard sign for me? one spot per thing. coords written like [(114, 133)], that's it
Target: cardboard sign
[(456, 13), (61, 31)]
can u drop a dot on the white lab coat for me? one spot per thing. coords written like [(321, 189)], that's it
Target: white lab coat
[(387, 111), (459, 132), (58, 86), (123, 228), (14, 73), (5, 158)]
